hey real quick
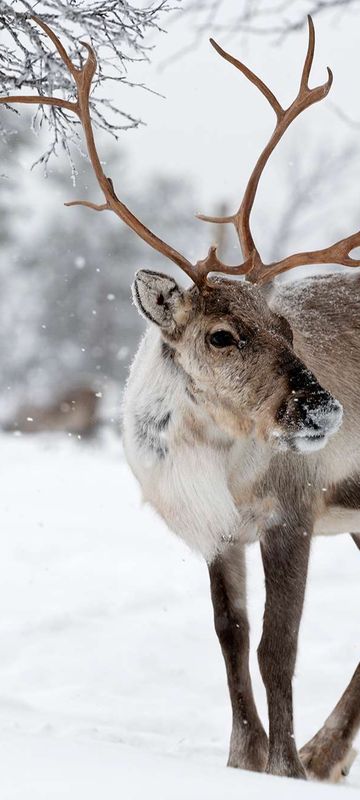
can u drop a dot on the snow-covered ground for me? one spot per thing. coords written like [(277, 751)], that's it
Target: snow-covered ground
[(111, 679)]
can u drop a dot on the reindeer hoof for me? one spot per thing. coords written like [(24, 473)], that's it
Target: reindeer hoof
[(250, 755), (327, 761), (288, 769), (348, 762)]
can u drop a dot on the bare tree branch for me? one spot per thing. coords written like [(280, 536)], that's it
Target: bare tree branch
[(266, 18), (117, 30)]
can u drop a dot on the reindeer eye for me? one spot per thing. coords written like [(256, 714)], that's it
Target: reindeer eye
[(221, 339)]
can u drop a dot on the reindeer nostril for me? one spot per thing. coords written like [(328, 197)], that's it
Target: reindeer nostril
[(316, 411), (281, 412)]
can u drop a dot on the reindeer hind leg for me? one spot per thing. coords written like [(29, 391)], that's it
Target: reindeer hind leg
[(329, 754)]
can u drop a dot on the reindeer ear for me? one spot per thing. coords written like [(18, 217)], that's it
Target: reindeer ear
[(159, 298)]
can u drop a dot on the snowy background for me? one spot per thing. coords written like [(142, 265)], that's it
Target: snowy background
[(65, 312), (112, 682), (111, 677)]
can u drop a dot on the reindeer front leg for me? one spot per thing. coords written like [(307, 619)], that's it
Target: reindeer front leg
[(248, 743), (285, 554)]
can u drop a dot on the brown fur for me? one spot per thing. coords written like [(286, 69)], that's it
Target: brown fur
[(290, 356), (248, 745), (325, 321), (329, 754)]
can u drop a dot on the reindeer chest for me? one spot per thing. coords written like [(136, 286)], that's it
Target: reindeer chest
[(195, 476)]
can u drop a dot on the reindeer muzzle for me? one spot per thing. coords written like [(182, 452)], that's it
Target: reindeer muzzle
[(307, 418)]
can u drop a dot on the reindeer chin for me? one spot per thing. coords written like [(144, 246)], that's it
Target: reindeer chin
[(299, 443)]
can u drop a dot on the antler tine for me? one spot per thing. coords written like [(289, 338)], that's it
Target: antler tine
[(87, 71), (251, 76), (337, 253), (212, 263), (89, 68), (304, 83), (304, 99), (264, 89), (56, 41), (318, 92)]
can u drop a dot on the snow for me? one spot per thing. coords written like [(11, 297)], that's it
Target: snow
[(111, 679)]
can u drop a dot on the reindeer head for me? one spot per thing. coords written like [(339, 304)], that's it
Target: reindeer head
[(238, 357), (237, 353)]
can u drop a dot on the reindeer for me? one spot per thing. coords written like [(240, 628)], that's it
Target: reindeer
[(240, 410)]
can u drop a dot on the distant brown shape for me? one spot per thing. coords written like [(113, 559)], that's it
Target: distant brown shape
[(76, 411)]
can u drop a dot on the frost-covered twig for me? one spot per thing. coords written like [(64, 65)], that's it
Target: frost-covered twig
[(117, 30)]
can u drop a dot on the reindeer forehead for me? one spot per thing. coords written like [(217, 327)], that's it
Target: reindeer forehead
[(233, 299)]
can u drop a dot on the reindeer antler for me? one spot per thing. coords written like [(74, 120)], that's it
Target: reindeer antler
[(83, 80), (338, 253), (252, 266)]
